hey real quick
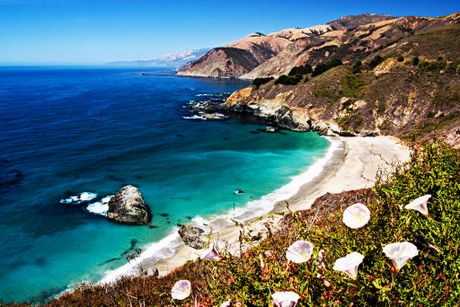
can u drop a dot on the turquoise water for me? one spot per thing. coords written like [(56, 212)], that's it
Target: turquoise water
[(73, 130)]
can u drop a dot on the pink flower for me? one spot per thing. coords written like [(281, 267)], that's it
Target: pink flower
[(211, 253), (420, 204), (226, 304), (285, 299), (349, 264), (299, 251), (181, 290), (400, 253), (356, 216)]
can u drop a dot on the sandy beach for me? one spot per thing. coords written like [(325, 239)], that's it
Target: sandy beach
[(351, 163)]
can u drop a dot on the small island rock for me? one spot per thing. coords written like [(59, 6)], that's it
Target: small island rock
[(128, 207)]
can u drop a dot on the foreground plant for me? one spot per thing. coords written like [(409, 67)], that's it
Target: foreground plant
[(212, 253), (299, 251), (285, 299), (349, 264), (400, 253), (181, 290), (420, 204), (356, 216)]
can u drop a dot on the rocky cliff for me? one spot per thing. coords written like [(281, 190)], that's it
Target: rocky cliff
[(399, 77), (273, 54)]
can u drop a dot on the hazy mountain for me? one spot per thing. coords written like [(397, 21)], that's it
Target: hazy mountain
[(169, 60)]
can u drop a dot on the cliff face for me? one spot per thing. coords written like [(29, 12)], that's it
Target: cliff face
[(402, 78), (273, 54)]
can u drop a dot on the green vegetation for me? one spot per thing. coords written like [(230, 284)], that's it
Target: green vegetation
[(288, 80), (449, 96), (432, 66), (323, 67), (429, 279), (375, 62), (400, 58), (357, 67), (301, 70), (350, 122), (259, 81)]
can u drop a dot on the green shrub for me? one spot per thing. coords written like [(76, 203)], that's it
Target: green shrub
[(357, 67), (288, 80), (400, 58), (301, 70), (323, 67), (432, 66), (415, 61), (375, 61), (259, 81)]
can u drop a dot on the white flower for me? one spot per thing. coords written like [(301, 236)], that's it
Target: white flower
[(356, 216), (226, 304), (299, 251), (400, 252), (419, 204), (285, 299), (349, 264), (211, 253), (181, 290)]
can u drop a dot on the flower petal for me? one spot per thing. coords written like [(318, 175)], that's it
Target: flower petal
[(349, 264), (356, 216), (285, 299), (299, 251), (181, 289), (419, 204), (211, 253), (400, 253)]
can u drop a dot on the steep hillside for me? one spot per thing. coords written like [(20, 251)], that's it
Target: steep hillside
[(273, 53), (409, 88)]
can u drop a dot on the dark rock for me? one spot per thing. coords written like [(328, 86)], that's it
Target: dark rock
[(128, 207), (193, 236)]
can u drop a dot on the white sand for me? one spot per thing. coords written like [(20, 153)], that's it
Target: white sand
[(353, 165)]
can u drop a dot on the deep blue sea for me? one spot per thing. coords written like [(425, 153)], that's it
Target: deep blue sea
[(64, 131)]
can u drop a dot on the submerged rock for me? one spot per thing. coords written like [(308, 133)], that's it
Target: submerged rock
[(193, 236), (128, 207)]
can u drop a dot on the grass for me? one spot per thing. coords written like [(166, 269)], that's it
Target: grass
[(431, 278)]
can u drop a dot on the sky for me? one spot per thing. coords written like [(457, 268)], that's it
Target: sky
[(60, 32)]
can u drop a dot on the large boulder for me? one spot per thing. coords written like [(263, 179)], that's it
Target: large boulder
[(128, 207), (193, 236)]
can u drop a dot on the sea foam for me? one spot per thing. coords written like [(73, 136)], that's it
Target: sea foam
[(100, 207), (79, 198)]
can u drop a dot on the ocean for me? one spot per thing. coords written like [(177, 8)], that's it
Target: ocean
[(72, 130)]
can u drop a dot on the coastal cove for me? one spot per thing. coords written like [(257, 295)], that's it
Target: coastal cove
[(75, 130)]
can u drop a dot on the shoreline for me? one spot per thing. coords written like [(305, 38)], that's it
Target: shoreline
[(349, 163)]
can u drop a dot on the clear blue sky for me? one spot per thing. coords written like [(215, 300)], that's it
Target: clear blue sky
[(97, 31)]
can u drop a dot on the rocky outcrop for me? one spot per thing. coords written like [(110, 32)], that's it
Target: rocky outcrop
[(193, 236), (128, 207)]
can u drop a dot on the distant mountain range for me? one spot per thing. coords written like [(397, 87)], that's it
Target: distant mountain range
[(169, 60)]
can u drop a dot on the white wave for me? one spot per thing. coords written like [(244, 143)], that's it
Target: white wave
[(100, 207), (267, 202), (194, 117), (167, 247), (162, 249), (78, 199)]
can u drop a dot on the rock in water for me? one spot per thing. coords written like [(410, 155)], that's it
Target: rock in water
[(128, 207), (192, 236)]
